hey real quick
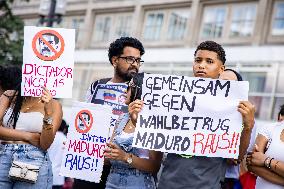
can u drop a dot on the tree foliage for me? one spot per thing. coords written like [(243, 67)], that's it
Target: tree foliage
[(11, 35)]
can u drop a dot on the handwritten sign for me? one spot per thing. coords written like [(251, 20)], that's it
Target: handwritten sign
[(48, 60), (193, 116), (86, 141)]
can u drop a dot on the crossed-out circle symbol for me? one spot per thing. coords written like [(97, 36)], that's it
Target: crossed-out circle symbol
[(39, 37), (83, 121)]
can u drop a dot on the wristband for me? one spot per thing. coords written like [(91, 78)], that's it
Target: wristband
[(269, 165), (266, 162), (129, 160), (47, 121), (47, 127)]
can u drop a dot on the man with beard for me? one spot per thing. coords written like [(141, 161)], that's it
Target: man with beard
[(125, 56)]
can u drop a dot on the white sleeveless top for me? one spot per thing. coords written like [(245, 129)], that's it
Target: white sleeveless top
[(275, 150), (30, 121)]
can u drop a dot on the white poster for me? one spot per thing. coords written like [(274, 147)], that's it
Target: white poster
[(86, 140), (48, 60), (190, 115)]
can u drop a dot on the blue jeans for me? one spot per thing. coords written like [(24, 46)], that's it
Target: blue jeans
[(129, 178), (29, 154)]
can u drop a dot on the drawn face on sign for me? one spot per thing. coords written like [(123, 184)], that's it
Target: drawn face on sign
[(87, 120), (52, 40)]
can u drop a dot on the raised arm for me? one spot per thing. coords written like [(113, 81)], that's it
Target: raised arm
[(247, 110), (53, 113)]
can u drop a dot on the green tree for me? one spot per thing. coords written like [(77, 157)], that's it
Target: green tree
[(11, 35)]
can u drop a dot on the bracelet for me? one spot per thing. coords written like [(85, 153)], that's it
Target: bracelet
[(47, 120), (266, 162), (47, 127), (246, 129), (269, 165), (275, 166)]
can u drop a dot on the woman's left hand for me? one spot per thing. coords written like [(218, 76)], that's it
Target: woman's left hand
[(256, 158), (114, 152), (46, 98)]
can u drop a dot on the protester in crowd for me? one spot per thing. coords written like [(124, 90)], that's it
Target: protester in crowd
[(56, 152), (267, 158), (130, 167), (233, 168), (125, 56), (204, 172), (247, 178), (28, 127)]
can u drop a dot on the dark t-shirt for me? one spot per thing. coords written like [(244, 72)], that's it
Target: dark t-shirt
[(192, 173)]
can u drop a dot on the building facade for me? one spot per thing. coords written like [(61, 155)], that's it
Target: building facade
[(251, 31)]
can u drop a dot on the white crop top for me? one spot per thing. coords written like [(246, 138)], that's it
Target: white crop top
[(30, 121)]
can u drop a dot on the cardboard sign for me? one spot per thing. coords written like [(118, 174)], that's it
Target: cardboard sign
[(48, 60), (86, 141), (193, 116)]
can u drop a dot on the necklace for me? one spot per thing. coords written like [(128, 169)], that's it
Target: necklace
[(29, 102)]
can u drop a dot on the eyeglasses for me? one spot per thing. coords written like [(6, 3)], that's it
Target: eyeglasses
[(131, 60)]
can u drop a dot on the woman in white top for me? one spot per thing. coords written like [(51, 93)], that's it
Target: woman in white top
[(27, 129), (267, 159)]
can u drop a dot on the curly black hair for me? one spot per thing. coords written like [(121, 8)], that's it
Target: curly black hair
[(212, 46), (116, 47)]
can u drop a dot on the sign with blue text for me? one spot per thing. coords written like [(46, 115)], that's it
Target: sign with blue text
[(86, 140)]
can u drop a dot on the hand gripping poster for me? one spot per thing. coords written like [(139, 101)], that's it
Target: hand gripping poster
[(86, 140)]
